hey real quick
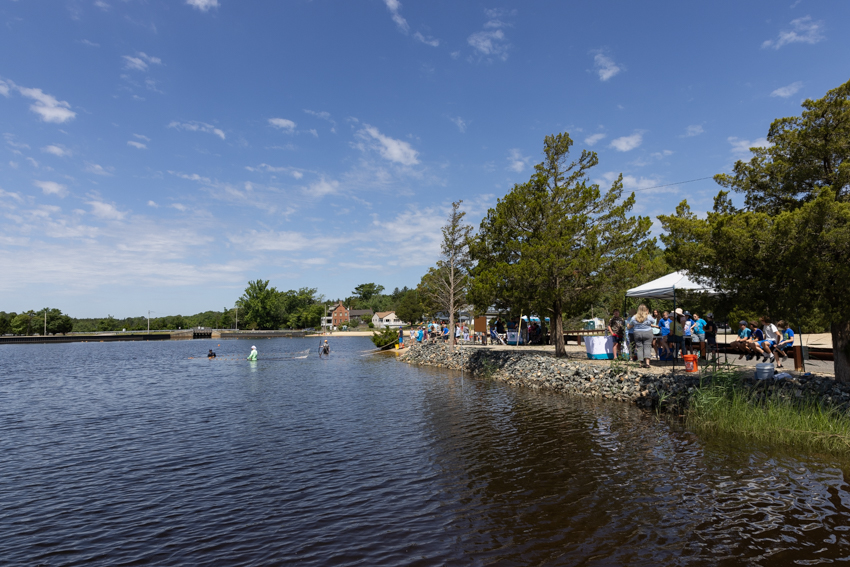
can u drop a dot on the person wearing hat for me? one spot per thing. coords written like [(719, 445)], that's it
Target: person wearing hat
[(326, 349), (253, 356)]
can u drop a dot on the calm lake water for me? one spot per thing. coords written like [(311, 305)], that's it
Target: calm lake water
[(133, 454)]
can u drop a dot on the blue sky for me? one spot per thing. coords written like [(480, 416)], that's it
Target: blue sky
[(159, 154)]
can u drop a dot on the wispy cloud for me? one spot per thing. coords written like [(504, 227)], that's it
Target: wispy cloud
[(203, 5), (605, 66), (322, 187), (296, 173), (48, 107), (326, 116), (516, 161), (105, 211), (51, 188), (98, 169), (283, 124), (141, 137), (492, 42), (593, 138), (56, 150), (427, 40), (140, 62), (396, 151), (693, 130), (394, 6), (803, 30), (460, 123), (789, 90), (137, 145), (627, 143), (89, 43), (197, 127), (741, 148)]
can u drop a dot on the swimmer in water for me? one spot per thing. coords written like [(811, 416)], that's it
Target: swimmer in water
[(253, 356), (211, 354)]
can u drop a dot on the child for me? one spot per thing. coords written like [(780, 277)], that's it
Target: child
[(756, 340), (786, 342), (616, 326), (744, 335)]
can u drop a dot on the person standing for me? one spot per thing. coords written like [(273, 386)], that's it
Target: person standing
[(641, 326), (253, 356), (616, 327), (678, 333), (697, 333), (710, 330), (664, 327)]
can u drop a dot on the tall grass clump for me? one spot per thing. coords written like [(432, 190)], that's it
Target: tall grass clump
[(767, 412)]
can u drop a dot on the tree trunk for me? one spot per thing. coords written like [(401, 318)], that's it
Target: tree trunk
[(841, 350), (451, 330), (557, 330)]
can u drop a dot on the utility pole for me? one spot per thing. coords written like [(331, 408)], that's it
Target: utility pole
[(45, 322), (149, 320), (237, 317)]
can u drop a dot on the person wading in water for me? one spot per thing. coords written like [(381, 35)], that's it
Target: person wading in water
[(253, 356), (211, 354), (325, 349)]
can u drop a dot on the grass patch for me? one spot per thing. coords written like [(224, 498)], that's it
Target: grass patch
[(767, 412)]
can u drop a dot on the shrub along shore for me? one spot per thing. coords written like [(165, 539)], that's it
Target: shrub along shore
[(811, 411)]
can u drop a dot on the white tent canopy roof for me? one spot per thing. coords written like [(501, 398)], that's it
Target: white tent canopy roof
[(665, 287)]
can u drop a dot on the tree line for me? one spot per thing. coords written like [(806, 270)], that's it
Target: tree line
[(559, 244)]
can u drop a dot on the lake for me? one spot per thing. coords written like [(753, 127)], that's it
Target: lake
[(135, 454)]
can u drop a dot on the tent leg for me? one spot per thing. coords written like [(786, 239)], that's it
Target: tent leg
[(675, 320)]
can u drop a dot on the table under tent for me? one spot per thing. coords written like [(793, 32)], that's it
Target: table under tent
[(666, 287)]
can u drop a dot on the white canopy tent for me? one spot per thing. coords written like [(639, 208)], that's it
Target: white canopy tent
[(665, 287)]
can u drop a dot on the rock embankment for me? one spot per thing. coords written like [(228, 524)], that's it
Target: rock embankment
[(614, 381), (619, 382)]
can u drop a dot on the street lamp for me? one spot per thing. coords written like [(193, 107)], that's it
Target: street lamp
[(149, 320)]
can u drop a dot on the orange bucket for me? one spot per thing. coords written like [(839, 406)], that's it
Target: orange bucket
[(691, 364)]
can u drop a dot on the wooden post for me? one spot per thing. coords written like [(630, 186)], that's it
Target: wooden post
[(798, 358), (702, 350)]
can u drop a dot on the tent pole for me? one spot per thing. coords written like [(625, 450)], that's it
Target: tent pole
[(675, 320)]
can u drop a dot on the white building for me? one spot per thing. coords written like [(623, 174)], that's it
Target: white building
[(383, 319)]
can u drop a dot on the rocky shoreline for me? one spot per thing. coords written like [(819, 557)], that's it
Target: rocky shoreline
[(603, 379)]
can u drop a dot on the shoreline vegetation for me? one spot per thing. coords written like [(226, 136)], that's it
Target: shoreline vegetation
[(803, 411)]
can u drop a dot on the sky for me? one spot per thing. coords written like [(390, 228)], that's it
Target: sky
[(159, 154)]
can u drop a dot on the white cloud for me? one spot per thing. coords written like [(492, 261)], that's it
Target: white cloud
[(32, 162), (396, 151), (192, 177), (324, 116), (394, 6), (627, 143), (803, 30), (297, 174), (593, 138), (105, 210), (605, 66), (460, 123), (283, 124), (197, 127), (693, 130), (632, 183), (322, 187), (58, 151), (139, 136), (102, 5), (517, 161), (788, 90), (203, 5), (51, 188), (137, 145), (179, 206), (4, 88), (89, 43), (433, 42), (490, 43), (47, 106), (141, 62), (97, 169), (741, 148), (153, 204)]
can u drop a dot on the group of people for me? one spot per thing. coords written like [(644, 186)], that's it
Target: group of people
[(439, 331), (768, 342), (670, 335)]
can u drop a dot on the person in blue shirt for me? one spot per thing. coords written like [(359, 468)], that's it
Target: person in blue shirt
[(664, 325), (742, 344), (786, 342), (756, 339), (697, 332)]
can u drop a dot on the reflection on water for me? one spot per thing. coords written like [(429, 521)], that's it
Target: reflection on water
[(119, 453)]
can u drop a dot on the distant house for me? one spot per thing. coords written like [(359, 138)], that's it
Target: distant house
[(342, 315), (383, 319)]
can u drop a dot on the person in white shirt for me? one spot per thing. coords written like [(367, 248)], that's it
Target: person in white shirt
[(771, 337)]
